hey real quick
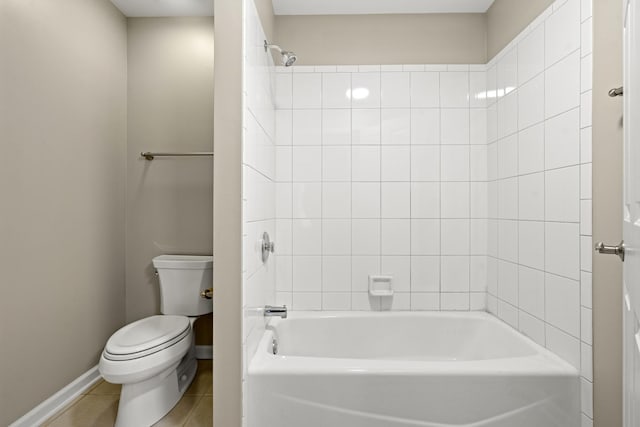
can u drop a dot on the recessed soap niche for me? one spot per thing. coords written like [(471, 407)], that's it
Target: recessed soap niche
[(381, 286)]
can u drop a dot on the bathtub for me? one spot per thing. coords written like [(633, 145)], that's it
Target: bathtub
[(350, 369)]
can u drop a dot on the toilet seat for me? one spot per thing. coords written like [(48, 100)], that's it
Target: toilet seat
[(146, 336)]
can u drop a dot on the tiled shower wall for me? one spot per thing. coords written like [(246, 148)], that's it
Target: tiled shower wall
[(539, 168), (258, 192), (381, 170)]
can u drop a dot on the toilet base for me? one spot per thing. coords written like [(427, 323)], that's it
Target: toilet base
[(144, 403)]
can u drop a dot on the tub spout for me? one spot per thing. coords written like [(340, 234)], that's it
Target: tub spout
[(271, 311)]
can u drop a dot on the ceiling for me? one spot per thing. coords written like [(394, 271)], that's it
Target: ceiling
[(137, 8), (357, 7)]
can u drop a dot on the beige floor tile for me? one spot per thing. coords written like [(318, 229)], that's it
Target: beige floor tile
[(90, 410), (202, 415), (180, 413), (203, 380), (104, 388)]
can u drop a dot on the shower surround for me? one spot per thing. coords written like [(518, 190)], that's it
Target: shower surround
[(469, 184)]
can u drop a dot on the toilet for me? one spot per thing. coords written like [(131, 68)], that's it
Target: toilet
[(154, 358)]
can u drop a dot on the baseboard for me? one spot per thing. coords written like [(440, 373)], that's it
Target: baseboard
[(204, 352), (58, 401)]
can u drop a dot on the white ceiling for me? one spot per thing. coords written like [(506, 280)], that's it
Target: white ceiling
[(136, 8), (353, 7)]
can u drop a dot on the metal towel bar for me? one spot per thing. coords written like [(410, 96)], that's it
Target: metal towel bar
[(149, 155)]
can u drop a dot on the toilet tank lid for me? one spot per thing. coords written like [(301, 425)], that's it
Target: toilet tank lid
[(183, 261)]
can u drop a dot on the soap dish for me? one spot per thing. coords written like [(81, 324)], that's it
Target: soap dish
[(381, 286)]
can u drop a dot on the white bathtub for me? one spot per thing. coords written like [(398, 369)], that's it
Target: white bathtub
[(345, 369)]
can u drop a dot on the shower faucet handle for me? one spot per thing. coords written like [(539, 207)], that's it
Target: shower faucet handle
[(267, 246)]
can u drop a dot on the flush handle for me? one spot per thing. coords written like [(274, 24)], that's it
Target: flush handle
[(207, 293), (601, 248)]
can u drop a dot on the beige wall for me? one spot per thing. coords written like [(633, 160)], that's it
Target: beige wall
[(607, 214), (62, 168), (227, 215), (170, 108), (384, 39), (507, 18)]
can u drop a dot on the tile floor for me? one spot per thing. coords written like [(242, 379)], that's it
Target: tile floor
[(98, 406)]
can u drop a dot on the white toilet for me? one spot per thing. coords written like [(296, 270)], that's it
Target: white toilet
[(154, 358)]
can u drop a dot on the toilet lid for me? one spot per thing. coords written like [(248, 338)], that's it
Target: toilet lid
[(146, 336)]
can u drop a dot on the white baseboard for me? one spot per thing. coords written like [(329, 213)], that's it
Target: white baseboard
[(204, 352), (58, 401)]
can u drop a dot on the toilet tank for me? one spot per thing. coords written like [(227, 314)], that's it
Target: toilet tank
[(182, 279)]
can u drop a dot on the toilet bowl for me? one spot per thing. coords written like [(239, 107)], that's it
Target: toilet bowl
[(154, 358)]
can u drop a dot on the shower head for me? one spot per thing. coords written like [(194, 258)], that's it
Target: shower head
[(287, 57)]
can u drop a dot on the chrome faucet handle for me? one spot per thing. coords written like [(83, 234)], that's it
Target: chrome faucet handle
[(268, 246), (273, 311)]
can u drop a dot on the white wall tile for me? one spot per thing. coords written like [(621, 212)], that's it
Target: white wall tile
[(284, 127), (425, 301), (563, 344), (365, 126), (455, 237), (425, 200), (562, 303), (425, 274), (306, 301), (562, 194), (396, 200), (457, 301), (454, 274), (507, 73), (425, 90), (508, 157), (365, 200), (454, 163), (336, 301), (284, 91), (454, 126), (478, 89), (531, 327), (336, 163), (586, 325), (531, 291), (508, 313), (562, 249), (562, 32), (531, 244), (307, 164), (307, 90), (307, 127), (284, 163), (307, 200), (395, 163), (361, 268), (531, 149), (478, 126), (307, 273), (478, 271), (425, 163), (562, 85), (365, 236), (508, 240), (531, 102), (531, 55), (454, 198), (454, 90), (508, 282), (336, 127), (531, 197), (365, 163), (399, 267), (307, 237), (336, 200), (425, 126), (396, 237), (336, 237), (479, 239), (336, 90), (396, 126), (426, 237), (562, 140), (365, 89), (336, 274), (586, 37), (395, 90), (508, 114)]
